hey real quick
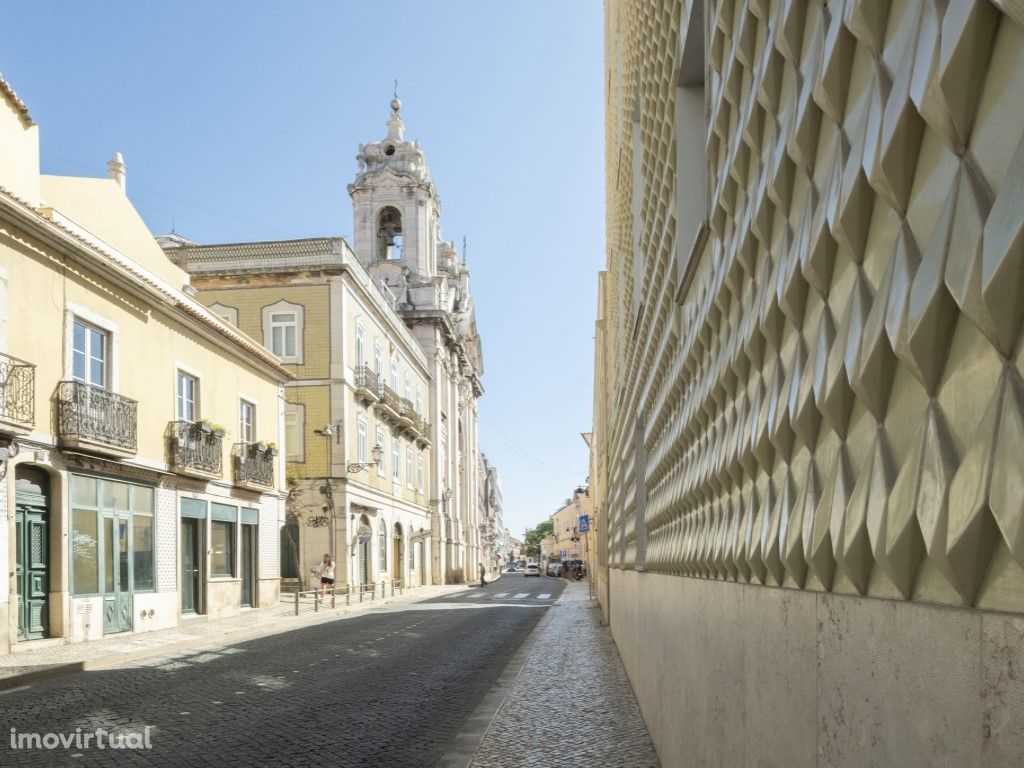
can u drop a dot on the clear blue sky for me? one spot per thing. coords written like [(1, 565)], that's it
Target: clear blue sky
[(240, 121)]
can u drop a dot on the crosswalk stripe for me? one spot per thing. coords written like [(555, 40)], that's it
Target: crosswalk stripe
[(502, 594), (545, 596), (522, 594)]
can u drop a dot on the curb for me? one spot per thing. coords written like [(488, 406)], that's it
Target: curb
[(467, 741), (237, 634)]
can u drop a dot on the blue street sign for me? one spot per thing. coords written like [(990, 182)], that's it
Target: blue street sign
[(584, 525)]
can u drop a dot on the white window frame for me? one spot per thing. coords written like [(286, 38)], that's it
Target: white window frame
[(253, 436), (396, 460), (227, 314), (408, 467), (381, 469), (179, 374), (419, 473), (295, 450), (419, 399), (408, 387), (74, 312), (394, 375), (360, 345), (285, 307), (378, 355), (361, 450)]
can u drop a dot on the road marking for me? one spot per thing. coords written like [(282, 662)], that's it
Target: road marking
[(545, 596), (502, 594), (522, 595)]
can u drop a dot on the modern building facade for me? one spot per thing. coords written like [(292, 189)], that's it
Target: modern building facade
[(382, 337), (359, 446), (809, 404), (141, 483)]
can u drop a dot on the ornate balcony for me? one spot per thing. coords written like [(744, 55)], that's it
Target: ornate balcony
[(196, 449), (390, 405), (367, 385), (254, 466), (406, 412), (94, 419), (421, 430), (17, 395)]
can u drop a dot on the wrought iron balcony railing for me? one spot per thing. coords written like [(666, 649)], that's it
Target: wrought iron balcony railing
[(17, 391), (254, 465), (196, 448), (367, 382), (93, 417)]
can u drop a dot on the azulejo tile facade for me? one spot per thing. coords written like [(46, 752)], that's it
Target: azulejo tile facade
[(383, 452)]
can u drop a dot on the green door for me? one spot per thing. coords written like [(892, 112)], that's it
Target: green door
[(117, 593), (31, 571), (248, 563), (190, 561)]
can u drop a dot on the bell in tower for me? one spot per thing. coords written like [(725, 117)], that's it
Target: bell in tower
[(389, 234)]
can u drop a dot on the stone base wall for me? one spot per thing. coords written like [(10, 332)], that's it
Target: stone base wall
[(732, 674)]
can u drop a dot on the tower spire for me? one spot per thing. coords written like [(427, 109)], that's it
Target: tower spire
[(396, 128)]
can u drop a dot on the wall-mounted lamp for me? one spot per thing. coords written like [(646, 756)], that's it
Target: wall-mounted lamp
[(358, 466)]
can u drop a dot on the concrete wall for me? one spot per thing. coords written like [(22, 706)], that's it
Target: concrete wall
[(733, 674)]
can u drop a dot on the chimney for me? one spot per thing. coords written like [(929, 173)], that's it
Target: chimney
[(116, 170)]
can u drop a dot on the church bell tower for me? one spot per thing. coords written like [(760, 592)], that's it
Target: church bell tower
[(394, 204)]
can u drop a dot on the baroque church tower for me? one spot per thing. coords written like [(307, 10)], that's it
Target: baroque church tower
[(397, 238)]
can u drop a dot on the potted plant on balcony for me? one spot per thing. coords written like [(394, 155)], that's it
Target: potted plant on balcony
[(271, 449), (211, 428)]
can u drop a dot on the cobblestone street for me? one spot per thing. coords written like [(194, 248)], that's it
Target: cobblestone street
[(571, 701), (387, 688)]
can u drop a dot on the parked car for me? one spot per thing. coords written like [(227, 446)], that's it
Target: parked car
[(532, 569), (510, 569), (554, 569)]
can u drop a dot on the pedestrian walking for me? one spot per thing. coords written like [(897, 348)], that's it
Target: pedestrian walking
[(483, 573), (326, 574)]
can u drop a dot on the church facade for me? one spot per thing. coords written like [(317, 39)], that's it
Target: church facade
[(381, 423)]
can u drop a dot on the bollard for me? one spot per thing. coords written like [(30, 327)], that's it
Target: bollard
[(296, 602), (332, 597), (316, 600)]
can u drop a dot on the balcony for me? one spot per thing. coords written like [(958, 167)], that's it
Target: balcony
[(196, 449), (390, 405), (254, 466), (17, 395), (367, 385), (421, 430), (97, 420)]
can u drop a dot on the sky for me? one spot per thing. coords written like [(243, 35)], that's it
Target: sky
[(241, 121)]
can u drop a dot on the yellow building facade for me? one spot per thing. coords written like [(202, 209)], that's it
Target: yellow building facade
[(359, 447), (140, 476), (567, 541)]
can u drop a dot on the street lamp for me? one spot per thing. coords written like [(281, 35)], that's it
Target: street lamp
[(358, 466)]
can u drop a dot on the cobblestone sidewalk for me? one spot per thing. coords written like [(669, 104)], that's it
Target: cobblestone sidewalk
[(572, 703), (55, 657)]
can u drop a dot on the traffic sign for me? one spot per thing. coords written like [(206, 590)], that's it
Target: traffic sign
[(584, 525)]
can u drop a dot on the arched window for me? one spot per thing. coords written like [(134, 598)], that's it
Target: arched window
[(389, 234), (382, 538)]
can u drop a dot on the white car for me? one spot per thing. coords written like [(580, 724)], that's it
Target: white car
[(532, 569)]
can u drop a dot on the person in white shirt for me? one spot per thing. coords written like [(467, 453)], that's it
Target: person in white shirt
[(326, 574)]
